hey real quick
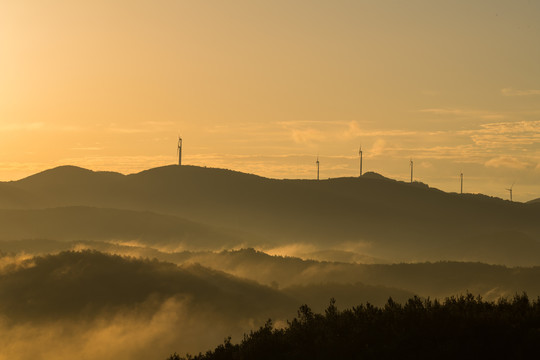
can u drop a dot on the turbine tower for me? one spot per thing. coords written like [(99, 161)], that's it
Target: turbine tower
[(360, 153), (510, 190), (317, 162), (179, 150), (411, 164), (461, 176)]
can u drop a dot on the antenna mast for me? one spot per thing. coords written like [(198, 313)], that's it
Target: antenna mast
[(461, 176), (317, 162), (179, 150), (411, 171), (360, 153)]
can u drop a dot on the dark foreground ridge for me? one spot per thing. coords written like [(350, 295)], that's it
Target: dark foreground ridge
[(463, 327)]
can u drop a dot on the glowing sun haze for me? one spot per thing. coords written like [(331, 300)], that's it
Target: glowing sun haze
[(265, 86)]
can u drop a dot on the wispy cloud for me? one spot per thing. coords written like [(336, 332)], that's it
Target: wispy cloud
[(478, 144), (127, 130), (305, 132), (355, 130), (378, 147), (464, 113), (158, 123), (88, 148), (505, 134), (22, 126), (509, 162), (516, 92), (308, 132), (142, 127), (70, 128), (303, 136), (290, 134), (443, 111)]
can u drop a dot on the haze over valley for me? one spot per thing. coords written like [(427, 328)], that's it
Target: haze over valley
[(92, 255), (272, 179)]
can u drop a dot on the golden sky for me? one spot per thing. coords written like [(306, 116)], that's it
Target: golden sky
[(266, 86)]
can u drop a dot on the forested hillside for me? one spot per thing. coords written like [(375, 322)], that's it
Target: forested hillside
[(458, 327)]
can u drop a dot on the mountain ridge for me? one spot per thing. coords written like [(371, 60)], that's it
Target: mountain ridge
[(78, 173), (385, 218)]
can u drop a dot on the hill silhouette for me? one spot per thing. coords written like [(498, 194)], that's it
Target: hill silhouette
[(385, 218), (99, 306), (438, 279), (82, 223), (95, 283), (314, 282)]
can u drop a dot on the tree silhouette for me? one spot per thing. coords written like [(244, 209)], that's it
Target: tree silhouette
[(461, 326)]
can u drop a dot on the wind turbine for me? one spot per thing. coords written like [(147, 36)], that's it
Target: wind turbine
[(360, 153), (179, 150), (510, 190), (317, 162), (411, 164)]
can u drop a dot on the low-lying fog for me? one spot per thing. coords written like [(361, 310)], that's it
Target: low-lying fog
[(175, 259), (99, 304)]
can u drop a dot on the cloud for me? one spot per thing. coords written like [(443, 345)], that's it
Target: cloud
[(354, 130), (509, 162), (142, 127), (154, 330), (504, 134), (464, 113), (33, 126), (443, 111), (71, 128), (378, 148), (9, 263), (127, 130), (88, 148), (475, 145), (514, 127), (516, 92), (277, 135), (307, 135), (41, 126), (308, 132), (159, 123)]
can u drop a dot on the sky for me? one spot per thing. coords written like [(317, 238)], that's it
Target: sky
[(265, 87)]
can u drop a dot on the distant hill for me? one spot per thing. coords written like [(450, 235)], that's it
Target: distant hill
[(144, 228), (13, 197), (98, 306), (97, 283), (375, 216), (438, 279), (314, 282)]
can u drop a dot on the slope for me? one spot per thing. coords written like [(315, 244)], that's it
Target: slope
[(145, 228), (383, 217)]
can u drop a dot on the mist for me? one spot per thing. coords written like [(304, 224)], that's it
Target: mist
[(92, 305), (176, 259)]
